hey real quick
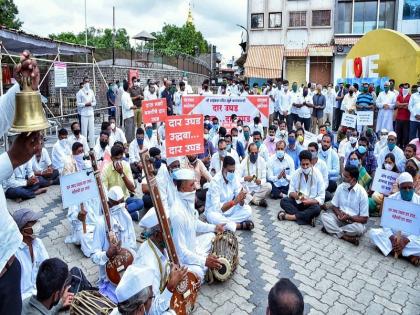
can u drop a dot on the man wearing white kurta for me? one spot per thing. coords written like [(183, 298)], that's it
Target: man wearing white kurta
[(350, 209), (77, 137), (414, 108), (391, 148), (385, 238), (122, 226), (216, 161), (127, 109), (91, 210), (386, 103), (225, 200), (193, 251), (86, 101), (116, 134), (253, 175), (330, 97), (60, 151)]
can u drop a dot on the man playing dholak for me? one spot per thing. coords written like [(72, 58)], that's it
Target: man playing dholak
[(153, 255), (350, 209), (254, 176), (123, 227), (387, 240), (84, 216), (225, 203), (135, 294), (193, 250)]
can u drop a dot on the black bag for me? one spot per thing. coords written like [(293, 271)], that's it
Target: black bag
[(78, 281)]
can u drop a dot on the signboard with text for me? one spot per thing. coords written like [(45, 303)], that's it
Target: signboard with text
[(154, 110), (348, 120), (383, 181), (365, 118), (77, 188), (184, 135), (60, 74), (400, 215), (222, 107)]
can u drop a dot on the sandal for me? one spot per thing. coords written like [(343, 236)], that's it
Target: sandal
[(415, 260), (281, 216), (247, 225)]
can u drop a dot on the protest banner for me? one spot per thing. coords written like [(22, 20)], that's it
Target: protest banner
[(348, 120), (365, 118), (400, 215), (222, 107), (60, 74), (383, 181), (77, 188), (154, 110), (184, 135)]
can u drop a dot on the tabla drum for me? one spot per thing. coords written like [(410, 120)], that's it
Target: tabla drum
[(91, 303), (225, 247)]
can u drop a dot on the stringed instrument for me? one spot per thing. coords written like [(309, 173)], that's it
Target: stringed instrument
[(185, 295), (118, 263)]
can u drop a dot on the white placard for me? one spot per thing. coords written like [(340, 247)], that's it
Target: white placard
[(348, 120), (77, 188), (365, 118), (400, 215), (60, 74), (383, 181)]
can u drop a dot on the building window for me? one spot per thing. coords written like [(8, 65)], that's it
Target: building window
[(365, 14), (321, 18), (297, 19), (257, 20), (386, 14), (343, 21), (275, 19)]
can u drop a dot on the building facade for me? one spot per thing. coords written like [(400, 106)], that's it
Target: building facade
[(307, 40)]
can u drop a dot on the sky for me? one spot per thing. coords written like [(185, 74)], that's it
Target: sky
[(216, 19)]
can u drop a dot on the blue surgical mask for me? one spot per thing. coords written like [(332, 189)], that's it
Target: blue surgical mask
[(354, 162), (362, 149), (140, 141), (258, 143), (157, 163), (230, 176), (407, 195), (246, 135), (228, 147), (280, 154), (291, 140), (391, 146), (149, 132)]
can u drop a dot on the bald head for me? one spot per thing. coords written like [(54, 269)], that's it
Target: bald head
[(285, 299)]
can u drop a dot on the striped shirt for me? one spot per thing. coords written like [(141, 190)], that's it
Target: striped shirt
[(365, 100)]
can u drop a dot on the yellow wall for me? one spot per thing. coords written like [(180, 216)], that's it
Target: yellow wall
[(399, 55)]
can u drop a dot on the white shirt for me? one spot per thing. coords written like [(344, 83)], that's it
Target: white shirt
[(348, 149), (216, 163), (414, 106), (250, 169), (19, 176), (43, 163), (313, 188), (116, 135), (354, 202), (178, 101), (86, 96), (349, 102), (221, 192), (330, 97), (305, 111), (188, 88), (29, 269), (82, 139), (285, 101), (323, 170), (150, 142), (10, 236), (126, 106), (149, 96), (134, 152), (330, 157), (99, 152), (296, 98), (258, 127), (276, 166), (61, 150), (386, 98), (398, 153)]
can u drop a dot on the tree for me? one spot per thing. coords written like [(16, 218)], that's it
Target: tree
[(173, 39), (99, 38), (8, 13)]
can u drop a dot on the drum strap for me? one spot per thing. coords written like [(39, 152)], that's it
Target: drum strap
[(163, 276)]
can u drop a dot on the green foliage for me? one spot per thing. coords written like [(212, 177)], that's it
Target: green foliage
[(173, 39), (99, 38), (8, 13)]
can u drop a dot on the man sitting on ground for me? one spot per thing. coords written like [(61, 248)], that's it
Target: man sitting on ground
[(350, 209), (42, 167), (285, 299)]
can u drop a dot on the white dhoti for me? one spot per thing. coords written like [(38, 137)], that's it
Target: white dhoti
[(261, 192), (234, 215), (334, 226), (203, 247), (380, 237), (385, 120), (77, 237)]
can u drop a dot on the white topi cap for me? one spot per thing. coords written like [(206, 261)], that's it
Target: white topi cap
[(133, 281), (184, 174), (115, 193)]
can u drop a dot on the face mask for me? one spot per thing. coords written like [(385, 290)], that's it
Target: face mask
[(314, 154), (386, 89), (353, 140), (258, 143), (280, 154), (216, 126), (193, 161), (354, 163), (103, 144), (405, 92), (253, 157), (230, 176), (173, 172), (346, 185), (76, 132), (157, 163), (222, 153), (351, 93), (149, 132), (306, 171), (362, 149), (79, 158), (113, 126), (294, 88), (240, 128), (234, 139), (115, 209), (140, 141), (206, 136), (300, 139), (384, 137), (283, 132), (291, 141), (36, 229), (391, 146), (246, 135), (407, 195), (63, 142), (365, 90), (271, 138), (228, 147), (388, 166), (305, 93), (86, 86)]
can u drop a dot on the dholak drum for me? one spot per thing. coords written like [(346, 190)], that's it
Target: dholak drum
[(225, 247), (91, 303)]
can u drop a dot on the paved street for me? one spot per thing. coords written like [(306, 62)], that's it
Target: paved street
[(334, 276)]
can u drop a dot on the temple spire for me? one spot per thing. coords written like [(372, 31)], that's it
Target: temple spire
[(190, 18)]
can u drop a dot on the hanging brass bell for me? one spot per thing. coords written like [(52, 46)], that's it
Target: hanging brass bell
[(29, 114)]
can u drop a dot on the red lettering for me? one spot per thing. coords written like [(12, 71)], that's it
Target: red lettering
[(357, 67)]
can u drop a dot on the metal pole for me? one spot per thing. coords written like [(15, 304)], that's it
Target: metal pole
[(93, 70), (61, 92), (113, 36), (86, 41), (211, 62), (1, 71)]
